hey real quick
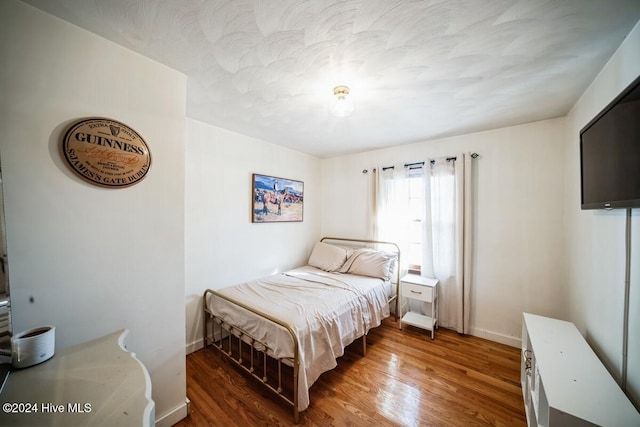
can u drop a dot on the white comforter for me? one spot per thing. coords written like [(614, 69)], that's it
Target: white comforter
[(327, 311)]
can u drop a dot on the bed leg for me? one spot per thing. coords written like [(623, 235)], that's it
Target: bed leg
[(204, 331), (264, 367), (204, 316), (364, 345), (251, 350), (296, 413), (396, 310)]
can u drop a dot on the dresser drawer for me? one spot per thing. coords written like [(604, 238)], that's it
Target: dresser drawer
[(417, 292)]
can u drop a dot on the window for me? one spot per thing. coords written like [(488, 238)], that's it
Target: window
[(419, 207)]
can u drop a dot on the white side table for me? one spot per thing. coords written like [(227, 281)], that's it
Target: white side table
[(423, 289)]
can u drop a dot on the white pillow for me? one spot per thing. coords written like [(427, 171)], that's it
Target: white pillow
[(327, 257), (367, 262)]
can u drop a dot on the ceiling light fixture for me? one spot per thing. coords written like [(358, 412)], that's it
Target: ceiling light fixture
[(343, 105)]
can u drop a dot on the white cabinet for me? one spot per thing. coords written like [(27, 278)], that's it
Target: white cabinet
[(97, 383), (423, 289), (563, 381)]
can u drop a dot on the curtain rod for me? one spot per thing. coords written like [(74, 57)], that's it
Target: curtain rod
[(432, 161), (408, 165)]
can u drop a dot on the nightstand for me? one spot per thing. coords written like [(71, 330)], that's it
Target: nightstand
[(422, 289)]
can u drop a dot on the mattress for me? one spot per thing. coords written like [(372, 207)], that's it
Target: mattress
[(327, 311)]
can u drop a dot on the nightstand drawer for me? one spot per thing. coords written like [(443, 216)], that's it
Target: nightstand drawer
[(417, 292)]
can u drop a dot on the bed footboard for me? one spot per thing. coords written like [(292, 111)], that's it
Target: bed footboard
[(222, 339)]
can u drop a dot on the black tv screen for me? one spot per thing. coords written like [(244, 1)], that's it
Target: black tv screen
[(610, 154)]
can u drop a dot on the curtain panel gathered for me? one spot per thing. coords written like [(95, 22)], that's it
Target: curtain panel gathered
[(391, 207), (446, 227)]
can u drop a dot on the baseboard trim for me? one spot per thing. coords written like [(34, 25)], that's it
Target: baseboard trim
[(198, 344), (194, 346), (499, 338), (476, 332), (172, 417)]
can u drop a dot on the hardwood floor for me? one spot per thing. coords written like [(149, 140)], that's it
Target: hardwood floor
[(406, 379)]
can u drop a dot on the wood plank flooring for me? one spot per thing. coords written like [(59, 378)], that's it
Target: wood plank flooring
[(406, 379)]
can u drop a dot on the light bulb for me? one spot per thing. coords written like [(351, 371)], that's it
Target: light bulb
[(343, 105)]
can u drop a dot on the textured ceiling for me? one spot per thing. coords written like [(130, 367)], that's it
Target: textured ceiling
[(417, 70)]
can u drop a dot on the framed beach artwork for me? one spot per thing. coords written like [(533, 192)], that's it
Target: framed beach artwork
[(276, 199)]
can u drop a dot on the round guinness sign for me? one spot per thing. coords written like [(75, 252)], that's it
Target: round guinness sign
[(106, 152)]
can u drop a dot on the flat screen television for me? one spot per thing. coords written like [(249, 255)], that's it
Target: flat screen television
[(610, 154)]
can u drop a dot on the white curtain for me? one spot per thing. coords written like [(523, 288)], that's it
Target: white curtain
[(446, 229), (447, 237), (465, 180), (391, 206)]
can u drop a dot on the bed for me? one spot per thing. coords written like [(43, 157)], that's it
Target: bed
[(303, 319)]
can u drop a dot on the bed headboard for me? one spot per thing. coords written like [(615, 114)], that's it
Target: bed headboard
[(374, 244)]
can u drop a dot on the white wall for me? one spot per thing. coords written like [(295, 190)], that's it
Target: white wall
[(518, 238), (223, 246), (595, 240), (91, 257), (86, 259)]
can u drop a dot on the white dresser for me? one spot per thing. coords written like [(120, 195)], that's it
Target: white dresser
[(563, 381), (94, 383)]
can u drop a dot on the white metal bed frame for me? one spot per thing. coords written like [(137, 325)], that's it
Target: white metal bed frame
[(222, 331)]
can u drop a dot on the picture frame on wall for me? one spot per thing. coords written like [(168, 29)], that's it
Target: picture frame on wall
[(276, 199)]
